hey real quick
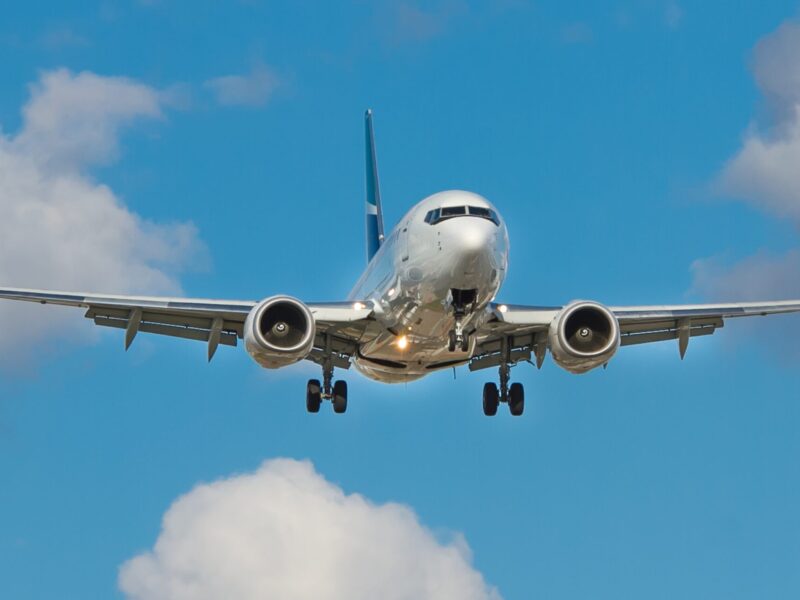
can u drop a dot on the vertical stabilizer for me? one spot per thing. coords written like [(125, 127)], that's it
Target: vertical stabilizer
[(373, 207)]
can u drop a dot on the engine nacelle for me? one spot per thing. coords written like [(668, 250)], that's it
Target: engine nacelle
[(583, 336), (279, 331)]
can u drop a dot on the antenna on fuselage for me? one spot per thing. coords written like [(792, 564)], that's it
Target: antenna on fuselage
[(374, 218)]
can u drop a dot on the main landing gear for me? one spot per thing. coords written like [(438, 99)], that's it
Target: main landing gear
[(335, 392), (513, 394)]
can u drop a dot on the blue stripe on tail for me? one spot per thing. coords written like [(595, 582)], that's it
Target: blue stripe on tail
[(374, 217)]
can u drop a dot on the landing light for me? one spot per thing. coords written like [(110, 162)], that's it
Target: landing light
[(358, 306), (402, 342), (502, 308)]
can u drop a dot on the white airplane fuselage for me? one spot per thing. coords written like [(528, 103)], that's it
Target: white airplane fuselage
[(421, 274)]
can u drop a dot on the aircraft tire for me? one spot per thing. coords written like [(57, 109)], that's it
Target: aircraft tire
[(313, 396), (491, 399), (340, 397), (516, 399)]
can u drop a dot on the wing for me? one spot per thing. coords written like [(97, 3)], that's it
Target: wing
[(524, 328), (339, 325)]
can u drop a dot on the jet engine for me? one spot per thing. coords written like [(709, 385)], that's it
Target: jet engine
[(279, 331), (583, 336)]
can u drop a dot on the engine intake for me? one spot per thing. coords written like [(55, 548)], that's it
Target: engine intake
[(583, 336), (279, 331)]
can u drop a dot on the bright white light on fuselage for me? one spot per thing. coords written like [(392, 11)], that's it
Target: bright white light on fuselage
[(502, 308), (358, 306), (402, 342)]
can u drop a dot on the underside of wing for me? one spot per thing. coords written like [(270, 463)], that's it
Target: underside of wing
[(517, 332), (339, 326), (644, 324)]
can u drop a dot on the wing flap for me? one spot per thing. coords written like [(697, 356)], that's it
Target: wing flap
[(189, 333), (671, 333)]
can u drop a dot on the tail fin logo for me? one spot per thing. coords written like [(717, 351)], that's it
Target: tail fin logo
[(374, 215)]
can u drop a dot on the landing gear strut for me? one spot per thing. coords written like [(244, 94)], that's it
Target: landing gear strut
[(513, 394), (336, 392), (463, 301)]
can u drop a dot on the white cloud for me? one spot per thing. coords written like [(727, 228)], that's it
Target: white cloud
[(73, 121), (285, 532), (764, 172), (763, 276), (253, 89), (61, 229)]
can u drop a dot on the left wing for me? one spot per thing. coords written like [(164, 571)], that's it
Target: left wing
[(524, 328), (212, 321)]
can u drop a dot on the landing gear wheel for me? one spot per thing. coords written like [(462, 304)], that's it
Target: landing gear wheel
[(516, 399), (339, 397), (465, 343), (451, 341), (491, 398), (313, 396)]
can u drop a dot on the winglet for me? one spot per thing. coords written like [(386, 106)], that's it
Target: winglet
[(374, 216)]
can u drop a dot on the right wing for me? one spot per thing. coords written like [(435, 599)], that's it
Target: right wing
[(341, 324), (523, 329)]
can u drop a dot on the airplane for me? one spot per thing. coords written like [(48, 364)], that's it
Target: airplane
[(425, 302)]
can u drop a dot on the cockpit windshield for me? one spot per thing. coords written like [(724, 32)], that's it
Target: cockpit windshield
[(438, 215)]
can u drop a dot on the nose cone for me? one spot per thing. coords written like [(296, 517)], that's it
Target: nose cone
[(474, 236), (471, 253)]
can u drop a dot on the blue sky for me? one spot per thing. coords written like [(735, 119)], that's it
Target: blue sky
[(640, 151)]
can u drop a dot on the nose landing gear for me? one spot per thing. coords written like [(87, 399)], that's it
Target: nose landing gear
[(457, 338), (463, 302)]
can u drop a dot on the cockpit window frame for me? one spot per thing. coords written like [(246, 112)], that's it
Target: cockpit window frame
[(436, 215)]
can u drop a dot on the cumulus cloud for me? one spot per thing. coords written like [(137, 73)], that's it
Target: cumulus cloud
[(62, 229), (252, 89), (285, 532), (764, 171)]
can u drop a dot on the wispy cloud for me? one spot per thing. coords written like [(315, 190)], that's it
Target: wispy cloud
[(251, 89), (673, 14), (407, 21), (61, 229), (285, 532), (62, 36), (577, 33)]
